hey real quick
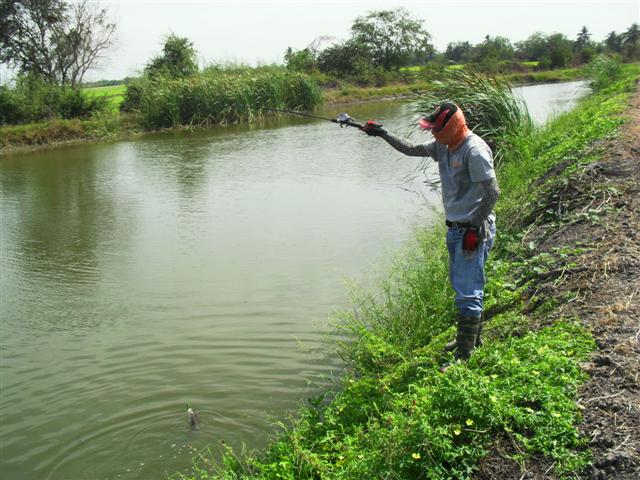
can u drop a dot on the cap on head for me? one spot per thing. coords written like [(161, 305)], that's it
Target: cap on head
[(438, 119)]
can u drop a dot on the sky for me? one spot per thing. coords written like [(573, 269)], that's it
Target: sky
[(259, 32)]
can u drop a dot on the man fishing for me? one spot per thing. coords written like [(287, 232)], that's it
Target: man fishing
[(469, 193)]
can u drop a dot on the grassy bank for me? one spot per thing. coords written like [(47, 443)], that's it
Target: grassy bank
[(394, 414), (106, 127)]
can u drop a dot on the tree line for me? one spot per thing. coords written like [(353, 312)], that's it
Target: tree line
[(392, 39)]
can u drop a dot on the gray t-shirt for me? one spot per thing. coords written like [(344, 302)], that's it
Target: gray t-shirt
[(461, 174)]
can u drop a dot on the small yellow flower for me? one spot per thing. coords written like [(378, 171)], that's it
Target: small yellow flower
[(415, 456), (457, 431), (469, 422), (493, 398), (535, 372)]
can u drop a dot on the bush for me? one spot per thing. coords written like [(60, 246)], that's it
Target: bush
[(73, 103), (10, 111), (602, 71), (132, 96), (32, 100)]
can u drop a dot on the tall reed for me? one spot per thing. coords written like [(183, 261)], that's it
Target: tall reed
[(491, 108), (216, 97)]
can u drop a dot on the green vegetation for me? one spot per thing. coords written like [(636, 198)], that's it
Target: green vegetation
[(544, 76), (104, 127), (215, 98), (113, 95), (388, 54), (601, 70), (388, 41), (178, 59), (54, 41), (33, 100), (490, 108), (394, 414)]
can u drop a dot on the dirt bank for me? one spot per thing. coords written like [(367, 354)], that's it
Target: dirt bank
[(599, 284)]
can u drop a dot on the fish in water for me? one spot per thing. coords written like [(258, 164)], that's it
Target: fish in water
[(193, 418)]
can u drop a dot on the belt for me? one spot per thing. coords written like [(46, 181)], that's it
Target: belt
[(458, 224)]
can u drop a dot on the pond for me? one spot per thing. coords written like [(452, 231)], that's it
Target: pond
[(200, 268)]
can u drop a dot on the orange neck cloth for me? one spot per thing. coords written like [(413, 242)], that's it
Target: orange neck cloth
[(454, 132)]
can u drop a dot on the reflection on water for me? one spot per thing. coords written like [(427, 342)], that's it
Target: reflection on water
[(192, 267)]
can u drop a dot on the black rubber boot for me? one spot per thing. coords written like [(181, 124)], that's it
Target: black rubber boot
[(451, 346), (468, 328), (479, 341)]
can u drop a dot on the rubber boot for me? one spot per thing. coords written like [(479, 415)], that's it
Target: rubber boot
[(466, 337), (468, 328), (451, 346), (479, 341)]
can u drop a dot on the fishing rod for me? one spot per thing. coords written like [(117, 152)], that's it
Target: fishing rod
[(344, 120)]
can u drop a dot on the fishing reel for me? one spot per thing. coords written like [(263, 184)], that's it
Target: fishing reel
[(344, 120)]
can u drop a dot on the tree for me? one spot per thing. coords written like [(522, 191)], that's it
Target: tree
[(347, 58), (558, 51), (459, 52), (613, 42), (493, 49), (632, 35), (631, 42), (583, 39), (54, 40), (393, 37), (533, 48), (300, 60), (178, 58), (584, 47)]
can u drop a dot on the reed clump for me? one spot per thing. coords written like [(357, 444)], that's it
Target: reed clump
[(218, 97), (489, 104)]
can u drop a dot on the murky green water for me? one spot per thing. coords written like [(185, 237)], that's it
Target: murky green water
[(139, 276)]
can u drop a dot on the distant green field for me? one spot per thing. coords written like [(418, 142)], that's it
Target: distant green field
[(114, 94)]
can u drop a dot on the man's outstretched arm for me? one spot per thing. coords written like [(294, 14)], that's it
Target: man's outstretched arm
[(405, 146)]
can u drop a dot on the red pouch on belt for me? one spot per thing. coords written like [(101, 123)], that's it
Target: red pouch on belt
[(470, 240)]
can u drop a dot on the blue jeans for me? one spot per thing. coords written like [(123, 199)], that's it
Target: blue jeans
[(466, 271)]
